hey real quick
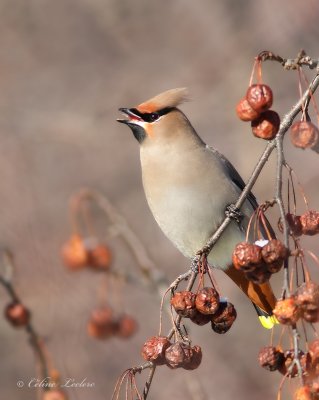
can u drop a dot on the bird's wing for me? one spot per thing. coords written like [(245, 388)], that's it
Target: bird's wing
[(234, 175)]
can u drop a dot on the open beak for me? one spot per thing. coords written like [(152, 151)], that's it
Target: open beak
[(131, 116)]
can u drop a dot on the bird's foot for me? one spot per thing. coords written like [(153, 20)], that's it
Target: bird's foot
[(195, 264), (233, 213)]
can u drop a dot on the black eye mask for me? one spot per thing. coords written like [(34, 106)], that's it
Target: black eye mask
[(151, 117)]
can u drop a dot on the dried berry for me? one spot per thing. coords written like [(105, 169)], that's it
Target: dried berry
[(247, 256), (224, 317), (294, 224), (245, 111), (102, 324), (303, 393), (289, 355), (310, 223), (266, 125), (286, 311), (271, 358), (17, 314), (314, 351), (260, 97), (307, 296), (184, 303), (154, 349), (54, 394), (100, 257), (260, 275), (196, 358), (207, 300), (126, 326), (304, 134), (74, 253), (274, 253), (178, 355), (200, 319)]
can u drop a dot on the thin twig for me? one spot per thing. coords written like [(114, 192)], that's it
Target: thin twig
[(34, 339)]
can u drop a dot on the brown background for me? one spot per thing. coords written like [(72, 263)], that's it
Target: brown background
[(65, 68)]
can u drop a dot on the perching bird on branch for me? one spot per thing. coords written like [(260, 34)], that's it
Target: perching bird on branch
[(188, 186)]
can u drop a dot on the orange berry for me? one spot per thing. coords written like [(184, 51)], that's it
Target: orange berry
[(303, 393), (74, 253), (286, 311)]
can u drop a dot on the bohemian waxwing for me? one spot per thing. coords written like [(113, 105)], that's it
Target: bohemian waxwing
[(188, 186)]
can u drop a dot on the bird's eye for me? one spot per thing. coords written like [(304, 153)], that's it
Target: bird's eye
[(154, 116)]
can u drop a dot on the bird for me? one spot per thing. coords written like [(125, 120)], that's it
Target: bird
[(189, 185)]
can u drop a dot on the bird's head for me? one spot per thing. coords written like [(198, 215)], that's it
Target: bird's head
[(158, 117)]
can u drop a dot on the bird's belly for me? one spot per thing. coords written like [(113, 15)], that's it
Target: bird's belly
[(188, 218)]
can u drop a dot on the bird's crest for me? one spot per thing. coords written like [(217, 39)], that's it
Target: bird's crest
[(168, 99)]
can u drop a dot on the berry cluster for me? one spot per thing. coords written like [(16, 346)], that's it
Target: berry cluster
[(104, 324), (79, 252), (259, 262), (273, 358), (305, 224), (255, 107), (203, 307), (180, 354)]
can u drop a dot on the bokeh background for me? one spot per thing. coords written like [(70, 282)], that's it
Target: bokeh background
[(65, 68)]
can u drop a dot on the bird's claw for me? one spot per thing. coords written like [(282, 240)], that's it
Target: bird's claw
[(233, 213)]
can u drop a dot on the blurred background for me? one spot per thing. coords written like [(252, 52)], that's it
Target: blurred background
[(66, 66)]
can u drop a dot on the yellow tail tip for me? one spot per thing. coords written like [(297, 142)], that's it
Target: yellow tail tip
[(268, 321)]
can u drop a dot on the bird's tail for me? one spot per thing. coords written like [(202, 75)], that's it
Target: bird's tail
[(261, 296), (267, 321)]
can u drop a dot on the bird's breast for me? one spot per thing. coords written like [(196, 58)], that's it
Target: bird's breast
[(188, 202)]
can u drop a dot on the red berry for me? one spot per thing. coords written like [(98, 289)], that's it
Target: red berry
[(154, 349), (17, 314), (100, 257), (207, 300), (294, 224), (270, 358), (310, 223), (200, 319), (266, 125), (304, 134), (102, 324), (260, 97), (184, 303), (245, 112), (274, 253), (224, 317), (247, 256), (126, 326)]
